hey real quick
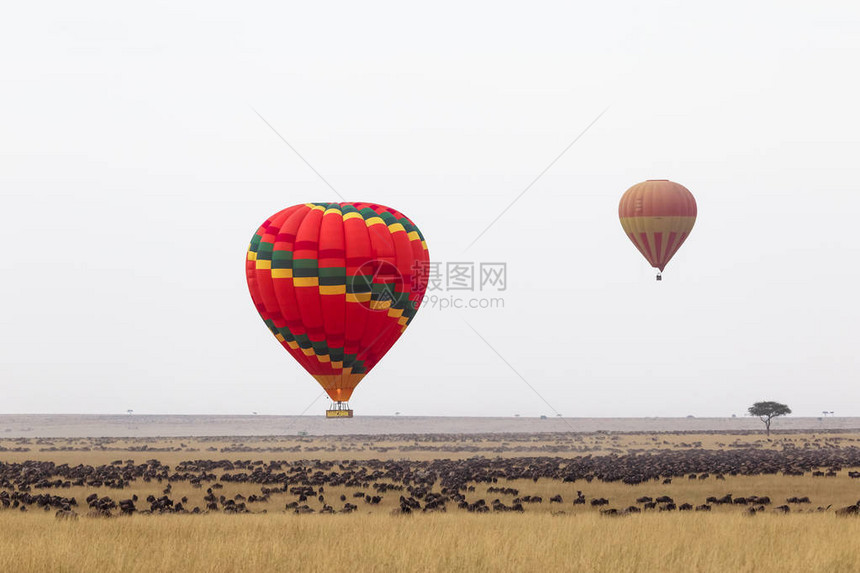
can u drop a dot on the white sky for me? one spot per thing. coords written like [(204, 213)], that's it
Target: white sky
[(133, 172)]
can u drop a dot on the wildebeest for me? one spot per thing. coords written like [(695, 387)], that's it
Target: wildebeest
[(849, 510)]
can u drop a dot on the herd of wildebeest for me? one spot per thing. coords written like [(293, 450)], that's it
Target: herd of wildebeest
[(475, 484)]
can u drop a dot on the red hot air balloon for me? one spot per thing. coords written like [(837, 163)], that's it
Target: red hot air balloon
[(657, 216), (337, 284)]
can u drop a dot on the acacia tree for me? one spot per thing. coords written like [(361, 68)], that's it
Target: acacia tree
[(767, 411)]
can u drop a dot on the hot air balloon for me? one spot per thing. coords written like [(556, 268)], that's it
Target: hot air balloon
[(337, 284), (658, 216)]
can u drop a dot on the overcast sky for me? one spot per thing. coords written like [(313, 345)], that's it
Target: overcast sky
[(134, 170)]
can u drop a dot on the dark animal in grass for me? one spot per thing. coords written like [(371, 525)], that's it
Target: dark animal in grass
[(851, 510), (126, 506)]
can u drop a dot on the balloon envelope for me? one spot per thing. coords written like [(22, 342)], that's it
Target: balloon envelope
[(657, 216), (337, 284)]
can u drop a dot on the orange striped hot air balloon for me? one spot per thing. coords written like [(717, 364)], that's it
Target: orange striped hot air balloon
[(658, 216)]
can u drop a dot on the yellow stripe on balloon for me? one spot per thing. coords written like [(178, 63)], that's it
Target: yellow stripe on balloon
[(332, 289)]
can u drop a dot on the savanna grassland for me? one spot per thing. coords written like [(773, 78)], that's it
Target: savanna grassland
[(492, 502)]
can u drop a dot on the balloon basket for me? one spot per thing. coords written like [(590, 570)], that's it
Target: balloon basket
[(659, 277), (339, 410), (338, 413)]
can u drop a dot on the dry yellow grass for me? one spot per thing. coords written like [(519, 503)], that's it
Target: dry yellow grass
[(449, 543), (372, 539)]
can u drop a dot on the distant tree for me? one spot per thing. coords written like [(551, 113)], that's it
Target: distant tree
[(767, 411)]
